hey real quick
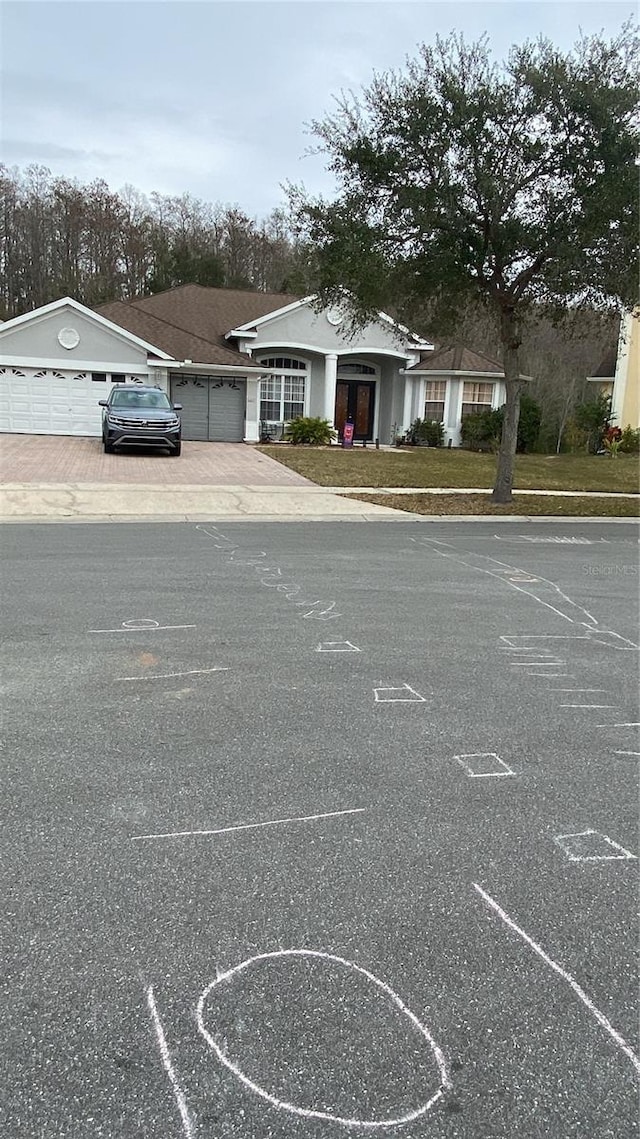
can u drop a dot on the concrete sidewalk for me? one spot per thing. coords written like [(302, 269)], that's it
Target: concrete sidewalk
[(478, 490), (84, 502)]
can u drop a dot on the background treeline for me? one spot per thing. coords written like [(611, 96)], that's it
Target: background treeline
[(59, 237)]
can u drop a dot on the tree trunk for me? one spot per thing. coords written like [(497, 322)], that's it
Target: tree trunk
[(511, 339)]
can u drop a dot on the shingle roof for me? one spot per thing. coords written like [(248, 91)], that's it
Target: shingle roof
[(606, 369), (190, 321), (210, 313), (180, 344), (456, 358)]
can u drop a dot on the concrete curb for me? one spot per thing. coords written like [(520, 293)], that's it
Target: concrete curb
[(392, 516)]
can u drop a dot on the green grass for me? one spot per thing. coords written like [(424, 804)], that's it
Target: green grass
[(523, 504), (426, 466)]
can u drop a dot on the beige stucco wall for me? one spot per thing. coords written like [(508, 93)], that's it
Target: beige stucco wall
[(630, 411)]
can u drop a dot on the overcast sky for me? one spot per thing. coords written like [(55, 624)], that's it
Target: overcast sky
[(214, 98)]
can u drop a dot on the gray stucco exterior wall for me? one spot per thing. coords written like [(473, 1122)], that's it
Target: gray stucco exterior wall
[(307, 328), (38, 339)]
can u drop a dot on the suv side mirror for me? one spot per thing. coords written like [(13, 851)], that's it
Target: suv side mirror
[(177, 407), (102, 403)]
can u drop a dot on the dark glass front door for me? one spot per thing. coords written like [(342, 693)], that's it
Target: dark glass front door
[(355, 399)]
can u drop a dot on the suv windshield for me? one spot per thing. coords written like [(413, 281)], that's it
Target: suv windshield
[(140, 399)]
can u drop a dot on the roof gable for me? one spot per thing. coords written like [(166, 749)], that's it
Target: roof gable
[(457, 358), (178, 343), (75, 308)]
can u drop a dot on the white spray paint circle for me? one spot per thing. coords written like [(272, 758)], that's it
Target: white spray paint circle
[(309, 1113), (141, 623)]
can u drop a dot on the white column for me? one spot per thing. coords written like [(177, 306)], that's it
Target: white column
[(406, 407), (252, 412), (330, 375)]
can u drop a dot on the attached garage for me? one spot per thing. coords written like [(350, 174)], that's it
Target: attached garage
[(213, 408), (45, 401)]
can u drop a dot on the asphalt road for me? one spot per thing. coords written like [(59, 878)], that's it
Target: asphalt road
[(461, 969)]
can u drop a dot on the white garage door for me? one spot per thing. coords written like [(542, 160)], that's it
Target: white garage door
[(48, 402)]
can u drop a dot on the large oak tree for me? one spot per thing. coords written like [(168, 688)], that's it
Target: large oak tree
[(461, 178)]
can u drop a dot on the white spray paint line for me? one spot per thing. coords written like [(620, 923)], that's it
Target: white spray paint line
[(169, 675), (252, 826), (271, 577), (306, 1112), (580, 690), (538, 663), (415, 697), (604, 840), (607, 637), (626, 753), (168, 1065), (505, 573), (492, 755), (550, 676), (337, 647), (617, 725), (573, 984), (141, 626), (588, 705)]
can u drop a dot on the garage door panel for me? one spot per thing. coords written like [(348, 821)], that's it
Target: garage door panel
[(226, 411), (45, 402), (212, 409)]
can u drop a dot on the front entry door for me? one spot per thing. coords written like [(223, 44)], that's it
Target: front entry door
[(355, 399)]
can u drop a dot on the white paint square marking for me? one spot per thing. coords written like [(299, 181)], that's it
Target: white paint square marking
[(404, 695), (337, 647), (483, 765), (591, 846)]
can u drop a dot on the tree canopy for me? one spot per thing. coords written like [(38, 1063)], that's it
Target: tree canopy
[(463, 179)]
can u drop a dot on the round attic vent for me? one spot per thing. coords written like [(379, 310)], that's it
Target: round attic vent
[(334, 316), (69, 338)]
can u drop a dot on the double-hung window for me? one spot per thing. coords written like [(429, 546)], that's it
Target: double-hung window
[(282, 396), (476, 397), (434, 400)]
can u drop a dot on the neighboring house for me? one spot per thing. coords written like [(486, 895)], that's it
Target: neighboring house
[(618, 375), (241, 364)]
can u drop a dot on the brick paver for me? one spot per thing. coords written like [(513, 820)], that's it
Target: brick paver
[(60, 459)]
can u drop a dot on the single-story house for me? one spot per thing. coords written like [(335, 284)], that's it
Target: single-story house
[(241, 364), (618, 374)]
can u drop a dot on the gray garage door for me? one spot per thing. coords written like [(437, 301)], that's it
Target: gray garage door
[(212, 409)]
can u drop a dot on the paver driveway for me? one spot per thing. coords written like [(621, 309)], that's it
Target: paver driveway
[(60, 459)]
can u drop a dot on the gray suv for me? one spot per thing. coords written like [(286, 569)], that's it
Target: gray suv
[(135, 414)]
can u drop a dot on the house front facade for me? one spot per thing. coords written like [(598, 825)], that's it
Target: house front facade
[(242, 364), (618, 375)]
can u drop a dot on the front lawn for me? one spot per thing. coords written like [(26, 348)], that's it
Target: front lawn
[(435, 467), (524, 504)]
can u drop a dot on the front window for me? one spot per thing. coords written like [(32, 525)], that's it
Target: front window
[(476, 397), (434, 400), (282, 396)]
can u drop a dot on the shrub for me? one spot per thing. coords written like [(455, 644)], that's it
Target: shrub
[(309, 429), (528, 424), (593, 418), (482, 430), (611, 441), (630, 441), (427, 431)]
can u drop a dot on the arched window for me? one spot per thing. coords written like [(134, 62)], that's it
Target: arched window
[(282, 396), (356, 369)]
